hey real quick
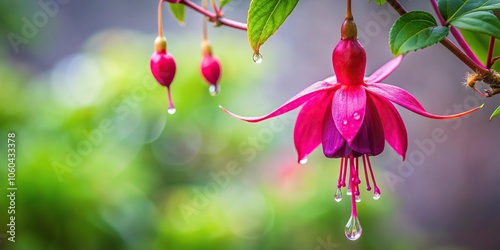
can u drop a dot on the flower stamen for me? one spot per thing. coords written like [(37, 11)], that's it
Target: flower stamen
[(376, 192), (339, 184), (345, 172), (368, 187)]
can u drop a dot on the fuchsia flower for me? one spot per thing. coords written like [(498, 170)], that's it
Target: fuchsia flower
[(352, 117)]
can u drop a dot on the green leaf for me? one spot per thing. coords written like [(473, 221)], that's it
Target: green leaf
[(495, 113), (178, 11), (264, 19), (415, 30), (222, 3), (454, 9), (481, 21), (379, 2), (479, 44)]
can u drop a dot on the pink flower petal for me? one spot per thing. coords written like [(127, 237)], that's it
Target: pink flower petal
[(384, 71), (299, 99), (406, 100), (308, 128), (394, 128), (370, 137), (348, 110), (334, 145)]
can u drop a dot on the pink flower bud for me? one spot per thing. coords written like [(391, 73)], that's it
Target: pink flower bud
[(210, 69), (163, 68), (349, 57)]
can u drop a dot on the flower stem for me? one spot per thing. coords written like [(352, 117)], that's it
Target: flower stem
[(490, 60), (446, 42), (494, 60), (212, 17), (216, 10), (456, 34), (348, 14), (160, 23), (205, 36)]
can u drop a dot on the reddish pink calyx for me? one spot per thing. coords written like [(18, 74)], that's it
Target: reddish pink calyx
[(163, 68), (349, 57), (210, 68)]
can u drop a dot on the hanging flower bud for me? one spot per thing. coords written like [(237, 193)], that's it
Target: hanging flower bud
[(349, 57), (210, 68), (163, 68)]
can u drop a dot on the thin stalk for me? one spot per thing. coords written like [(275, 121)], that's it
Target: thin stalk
[(160, 23), (489, 61), (214, 6), (457, 35), (348, 14), (212, 17), (205, 36)]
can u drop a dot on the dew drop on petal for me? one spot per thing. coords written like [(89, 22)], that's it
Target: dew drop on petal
[(356, 116), (257, 57), (171, 111), (338, 195), (214, 90), (303, 161), (345, 122), (358, 198), (376, 196), (353, 228)]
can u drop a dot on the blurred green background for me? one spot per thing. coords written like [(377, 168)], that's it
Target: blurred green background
[(101, 165)]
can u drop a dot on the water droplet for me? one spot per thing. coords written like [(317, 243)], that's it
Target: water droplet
[(338, 195), (257, 57), (303, 161), (214, 90), (171, 111), (345, 122), (358, 198), (376, 196), (356, 116), (353, 228), (348, 191)]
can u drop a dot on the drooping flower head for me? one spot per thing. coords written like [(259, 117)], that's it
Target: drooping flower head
[(210, 67), (162, 63), (163, 68), (351, 117)]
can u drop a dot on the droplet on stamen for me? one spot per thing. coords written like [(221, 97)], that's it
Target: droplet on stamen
[(214, 90), (376, 196), (358, 198), (257, 57), (356, 116), (171, 111), (303, 161), (353, 228), (348, 191), (338, 195)]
